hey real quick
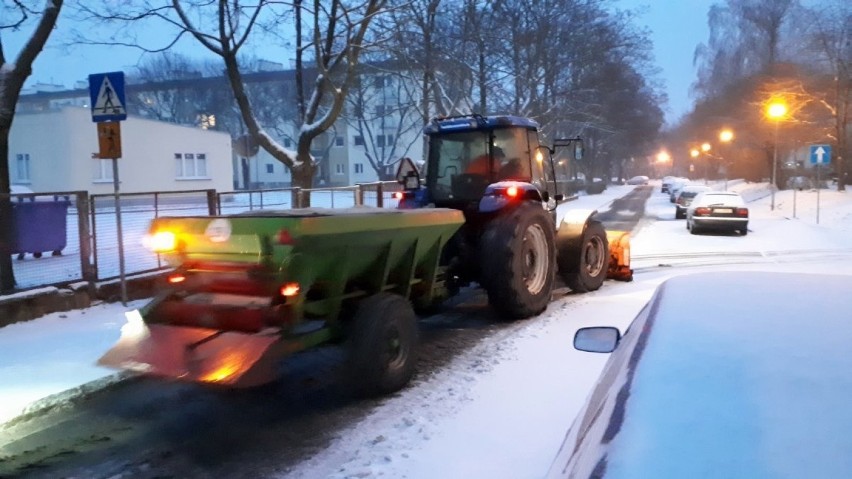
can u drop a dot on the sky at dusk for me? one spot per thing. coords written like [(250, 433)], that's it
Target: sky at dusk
[(677, 27)]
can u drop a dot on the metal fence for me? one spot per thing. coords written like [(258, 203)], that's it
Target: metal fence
[(82, 231)]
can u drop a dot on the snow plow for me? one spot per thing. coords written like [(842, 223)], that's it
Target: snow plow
[(249, 289)]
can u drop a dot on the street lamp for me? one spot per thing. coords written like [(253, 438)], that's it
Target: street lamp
[(725, 136), (775, 111)]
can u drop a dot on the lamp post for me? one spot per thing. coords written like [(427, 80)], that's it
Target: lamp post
[(663, 157), (775, 111), (725, 136), (705, 147), (694, 152)]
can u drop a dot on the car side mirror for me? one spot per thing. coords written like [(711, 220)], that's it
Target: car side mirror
[(600, 339), (407, 174)]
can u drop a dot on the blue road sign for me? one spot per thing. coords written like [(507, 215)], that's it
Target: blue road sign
[(106, 92), (820, 154)]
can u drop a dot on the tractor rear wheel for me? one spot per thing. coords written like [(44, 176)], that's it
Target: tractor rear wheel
[(517, 261), (583, 262), (382, 345)]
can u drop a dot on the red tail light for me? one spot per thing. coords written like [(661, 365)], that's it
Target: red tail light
[(743, 212), (285, 238), (397, 195), (702, 211), (512, 191), (176, 278)]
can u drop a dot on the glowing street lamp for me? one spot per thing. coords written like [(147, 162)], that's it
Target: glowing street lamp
[(776, 111)]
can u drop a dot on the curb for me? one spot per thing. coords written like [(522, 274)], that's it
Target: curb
[(32, 304), (66, 397)]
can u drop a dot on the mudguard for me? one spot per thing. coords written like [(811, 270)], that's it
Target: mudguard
[(571, 231), (497, 196)]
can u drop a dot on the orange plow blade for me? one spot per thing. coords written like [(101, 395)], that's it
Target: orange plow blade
[(619, 256), (193, 354)]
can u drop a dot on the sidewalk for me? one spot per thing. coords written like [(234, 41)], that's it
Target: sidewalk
[(51, 359)]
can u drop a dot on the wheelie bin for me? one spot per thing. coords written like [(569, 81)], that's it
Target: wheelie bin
[(40, 226)]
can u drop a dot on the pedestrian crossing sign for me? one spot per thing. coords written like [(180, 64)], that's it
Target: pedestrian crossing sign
[(106, 92)]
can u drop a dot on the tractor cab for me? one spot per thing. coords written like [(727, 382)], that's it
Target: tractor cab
[(468, 154)]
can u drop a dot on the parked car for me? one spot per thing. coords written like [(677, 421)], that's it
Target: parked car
[(675, 188), (799, 183), (684, 198), (638, 180), (717, 210), (667, 182), (715, 379)]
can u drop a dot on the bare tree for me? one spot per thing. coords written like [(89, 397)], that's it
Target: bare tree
[(831, 41), (337, 39), (383, 115), (333, 43), (166, 95), (13, 74), (745, 40)]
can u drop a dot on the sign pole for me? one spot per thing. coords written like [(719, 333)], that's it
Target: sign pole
[(106, 93), (119, 234), (819, 186), (820, 155)]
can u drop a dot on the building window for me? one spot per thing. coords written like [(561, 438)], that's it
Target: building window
[(288, 143), (359, 167), (384, 140), (380, 110), (22, 168), (103, 170), (190, 165), (382, 81), (338, 141), (359, 140), (270, 168), (338, 169)]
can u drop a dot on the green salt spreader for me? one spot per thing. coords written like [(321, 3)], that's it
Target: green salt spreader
[(251, 288)]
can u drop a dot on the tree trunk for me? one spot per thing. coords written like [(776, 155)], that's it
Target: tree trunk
[(12, 77), (7, 225)]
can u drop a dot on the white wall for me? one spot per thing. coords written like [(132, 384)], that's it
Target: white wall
[(61, 143)]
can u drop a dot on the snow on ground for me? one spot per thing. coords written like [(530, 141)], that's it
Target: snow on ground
[(501, 410)]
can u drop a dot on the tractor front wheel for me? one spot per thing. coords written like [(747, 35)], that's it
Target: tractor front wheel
[(583, 261)]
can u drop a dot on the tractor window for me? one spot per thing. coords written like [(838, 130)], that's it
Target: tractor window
[(542, 166), (461, 165), (452, 157), (516, 163)]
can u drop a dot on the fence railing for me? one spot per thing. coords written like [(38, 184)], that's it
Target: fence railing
[(86, 229)]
